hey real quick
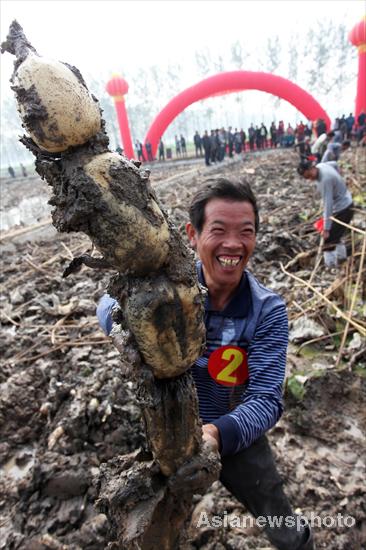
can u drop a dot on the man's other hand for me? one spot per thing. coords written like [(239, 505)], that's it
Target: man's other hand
[(211, 436)]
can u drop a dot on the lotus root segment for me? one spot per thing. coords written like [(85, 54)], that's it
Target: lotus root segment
[(166, 321), (55, 106), (131, 220)]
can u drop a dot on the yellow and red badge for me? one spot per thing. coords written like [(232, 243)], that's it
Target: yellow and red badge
[(228, 365)]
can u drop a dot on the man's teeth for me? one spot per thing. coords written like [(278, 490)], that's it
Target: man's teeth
[(229, 261)]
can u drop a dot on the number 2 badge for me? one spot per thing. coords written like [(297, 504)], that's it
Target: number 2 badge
[(228, 365)]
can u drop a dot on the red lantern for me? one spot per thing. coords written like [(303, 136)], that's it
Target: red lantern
[(117, 87), (357, 37)]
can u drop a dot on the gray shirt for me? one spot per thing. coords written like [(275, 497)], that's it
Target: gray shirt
[(332, 152), (335, 195)]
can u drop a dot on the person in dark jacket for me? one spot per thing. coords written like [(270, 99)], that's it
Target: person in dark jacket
[(183, 145), (243, 138), (161, 150), (273, 133), (251, 134), (11, 171), (148, 148), (214, 145), (197, 144), (206, 142)]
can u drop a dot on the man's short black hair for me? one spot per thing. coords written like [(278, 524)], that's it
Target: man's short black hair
[(304, 165), (221, 188)]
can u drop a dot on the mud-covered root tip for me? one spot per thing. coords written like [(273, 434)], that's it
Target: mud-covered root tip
[(17, 43)]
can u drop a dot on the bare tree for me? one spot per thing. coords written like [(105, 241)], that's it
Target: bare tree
[(273, 54), (204, 62), (329, 55), (293, 65)]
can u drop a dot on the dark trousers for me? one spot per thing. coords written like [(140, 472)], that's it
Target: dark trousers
[(207, 156), (252, 477), (337, 230)]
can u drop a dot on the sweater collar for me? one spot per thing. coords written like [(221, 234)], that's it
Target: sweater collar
[(240, 302)]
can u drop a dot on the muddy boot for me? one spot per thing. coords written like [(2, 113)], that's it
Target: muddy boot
[(330, 258), (252, 477), (341, 252)]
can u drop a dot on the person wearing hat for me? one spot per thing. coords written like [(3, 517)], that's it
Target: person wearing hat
[(337, 203)]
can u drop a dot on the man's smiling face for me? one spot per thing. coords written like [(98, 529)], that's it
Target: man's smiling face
[(226, 242)]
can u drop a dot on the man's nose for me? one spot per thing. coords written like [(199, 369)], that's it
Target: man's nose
[(232, 240)]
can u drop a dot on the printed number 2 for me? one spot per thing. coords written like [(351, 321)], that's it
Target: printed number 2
[(236, 358)]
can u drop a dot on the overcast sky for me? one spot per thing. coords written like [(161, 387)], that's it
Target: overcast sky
[(120, 34), (105, 37)]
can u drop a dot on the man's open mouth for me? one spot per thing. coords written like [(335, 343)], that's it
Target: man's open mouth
[(229, 261)]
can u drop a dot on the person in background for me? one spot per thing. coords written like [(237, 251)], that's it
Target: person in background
[(281, 133), (350, 120), (343, 127), (361, 128), (140, 151), (24, 171), (161, 150), (337, 203), (206, 142), (334, 150), (252, 136), (11, 171), (273, 133), (237, 142), (320, 127), (243, 138), (148, 148), (290, 136), (214, 139), (183, 145), (304, 147), (230, 141), (197, 144), (178, 151), (258, 138), (319, 146), (264, 133), (222, 140)]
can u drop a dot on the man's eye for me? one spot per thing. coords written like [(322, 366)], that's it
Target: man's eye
[(217, 230)]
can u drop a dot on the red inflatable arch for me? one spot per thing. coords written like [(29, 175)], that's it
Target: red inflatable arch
[(225, 83)]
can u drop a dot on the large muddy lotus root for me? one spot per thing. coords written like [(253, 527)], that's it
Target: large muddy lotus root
[(54, 103)]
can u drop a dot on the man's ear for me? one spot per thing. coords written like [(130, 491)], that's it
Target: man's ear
[(191, 233)]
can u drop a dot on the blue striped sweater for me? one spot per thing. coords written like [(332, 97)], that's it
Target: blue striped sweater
[(255, 320)]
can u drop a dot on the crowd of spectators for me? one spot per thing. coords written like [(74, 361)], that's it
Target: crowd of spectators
[(216, 144)]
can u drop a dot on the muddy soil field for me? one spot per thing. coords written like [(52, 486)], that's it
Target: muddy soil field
[(66, 408)]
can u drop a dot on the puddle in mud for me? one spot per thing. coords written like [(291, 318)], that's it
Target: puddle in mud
[(355, 431), (19, 465), (29, 211)]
